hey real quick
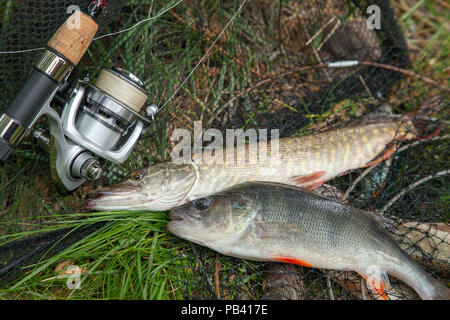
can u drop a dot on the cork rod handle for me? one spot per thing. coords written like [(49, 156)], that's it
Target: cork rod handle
[(74, 37)]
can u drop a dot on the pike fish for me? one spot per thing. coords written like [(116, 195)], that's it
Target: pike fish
[(273, 222), (306, 161)]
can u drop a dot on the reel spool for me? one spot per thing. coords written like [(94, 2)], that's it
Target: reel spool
[(111, 107)]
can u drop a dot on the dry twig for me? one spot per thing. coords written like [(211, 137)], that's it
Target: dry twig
[(412, 186), (216, 276)]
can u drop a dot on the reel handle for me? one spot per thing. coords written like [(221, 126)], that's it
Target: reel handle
[(74, 37)]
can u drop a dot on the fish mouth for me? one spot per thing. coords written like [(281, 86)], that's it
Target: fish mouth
[(186, 227), (179, 223), (110, 197), (177, 216), (109, 191)]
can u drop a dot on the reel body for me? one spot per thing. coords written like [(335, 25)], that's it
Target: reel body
[(100, 120)]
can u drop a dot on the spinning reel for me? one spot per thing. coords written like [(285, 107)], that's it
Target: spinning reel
[(101, 119)]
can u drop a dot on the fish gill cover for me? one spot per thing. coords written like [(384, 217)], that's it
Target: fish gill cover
[(266, 71)]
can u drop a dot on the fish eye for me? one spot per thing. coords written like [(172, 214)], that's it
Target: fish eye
[(202, 204), (137, 175)]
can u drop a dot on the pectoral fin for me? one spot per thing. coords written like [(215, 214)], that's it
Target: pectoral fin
[(310, 181), (279, 230), (378, 281)]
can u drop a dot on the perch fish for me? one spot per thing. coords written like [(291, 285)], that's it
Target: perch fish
[(306, 161), (273, 222)]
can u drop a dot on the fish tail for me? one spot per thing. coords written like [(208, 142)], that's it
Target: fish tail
[(388, 136), (414, 129), (432, 289), (421, 129), (426, 286), (440, 290), (407, 131)]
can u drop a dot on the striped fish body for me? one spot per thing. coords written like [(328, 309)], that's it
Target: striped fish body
[(305, 161)]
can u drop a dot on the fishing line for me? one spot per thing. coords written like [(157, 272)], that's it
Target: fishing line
[(21, 51), (146, 20), (106, 35), (204, 56), (142, 21)]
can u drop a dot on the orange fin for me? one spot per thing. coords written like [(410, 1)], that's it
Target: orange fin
[(292, 260), (379, 282), (431, 135), (315, 185), (310, 179), (385, 155)]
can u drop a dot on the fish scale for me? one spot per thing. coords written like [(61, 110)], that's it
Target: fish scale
[(325, 224), (331, 151)]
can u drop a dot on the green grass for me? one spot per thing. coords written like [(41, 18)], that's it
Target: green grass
[(132, 257), (128, 258), (434, 47)]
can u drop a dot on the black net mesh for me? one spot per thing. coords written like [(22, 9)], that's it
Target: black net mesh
[(17, 255), (29, 25), (252, 78)]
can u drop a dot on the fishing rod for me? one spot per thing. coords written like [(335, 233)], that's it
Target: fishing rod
[(101, 119)]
